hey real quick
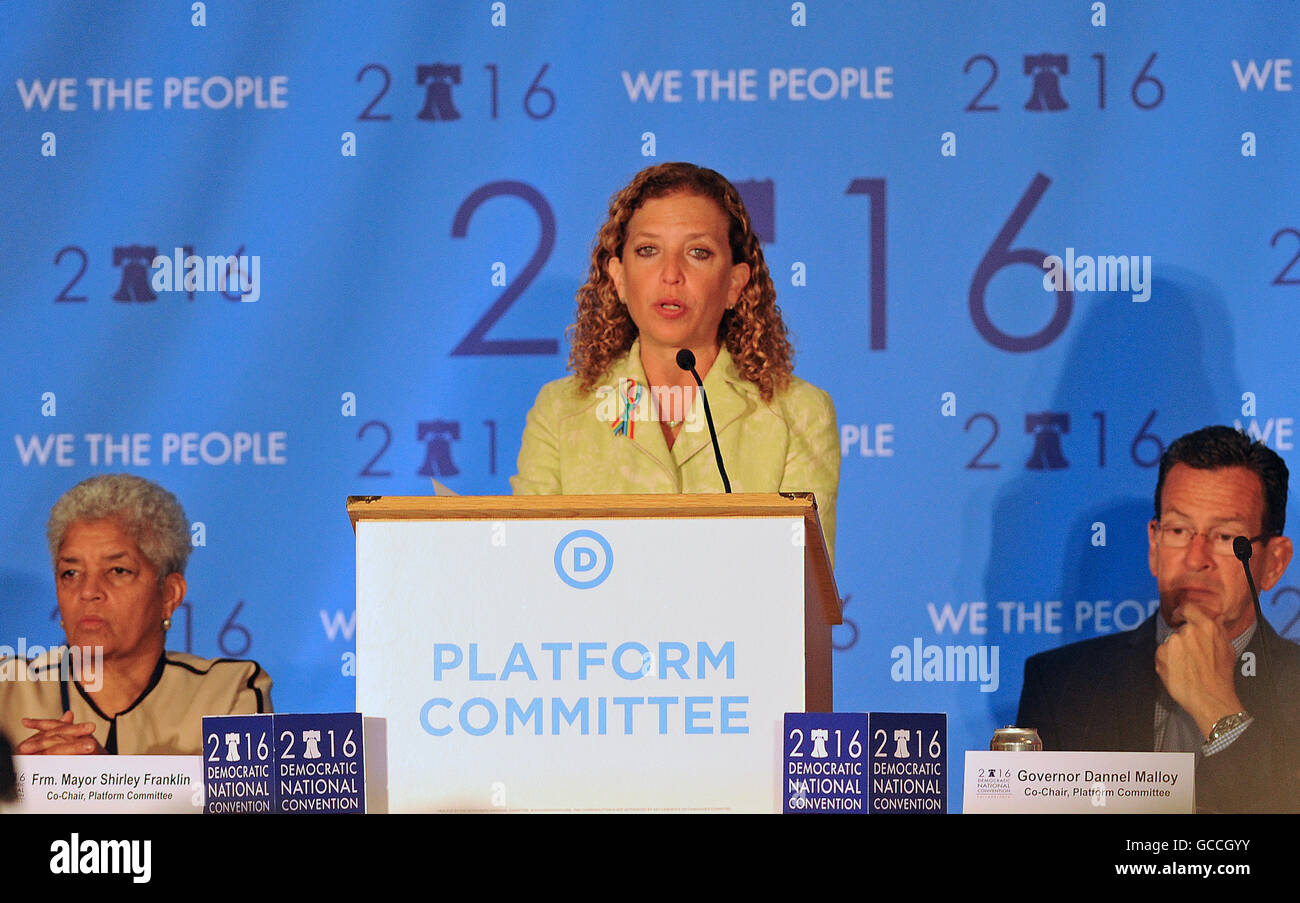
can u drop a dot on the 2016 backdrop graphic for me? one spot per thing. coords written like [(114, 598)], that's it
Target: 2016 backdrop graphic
[(392, 205)]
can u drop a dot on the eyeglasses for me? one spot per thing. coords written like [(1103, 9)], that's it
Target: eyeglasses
[(1178, 536)]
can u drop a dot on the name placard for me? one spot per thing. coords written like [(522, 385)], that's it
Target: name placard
[(1079, 782), (108, 784)]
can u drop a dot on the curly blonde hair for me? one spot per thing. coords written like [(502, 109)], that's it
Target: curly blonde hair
[(753, 332)]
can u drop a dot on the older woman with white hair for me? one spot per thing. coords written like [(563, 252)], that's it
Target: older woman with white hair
[(120, 544)]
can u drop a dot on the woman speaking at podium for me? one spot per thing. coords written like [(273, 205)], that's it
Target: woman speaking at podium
[(677, 266)]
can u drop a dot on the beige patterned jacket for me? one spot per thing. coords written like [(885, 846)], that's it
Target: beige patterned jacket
[(166, 720)]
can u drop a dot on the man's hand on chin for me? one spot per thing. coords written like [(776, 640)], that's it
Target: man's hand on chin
[(1195, 665)]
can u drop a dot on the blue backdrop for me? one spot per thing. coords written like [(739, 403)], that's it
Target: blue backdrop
[(413, 189)]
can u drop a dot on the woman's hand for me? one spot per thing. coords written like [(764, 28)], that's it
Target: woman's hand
[(59, 737)]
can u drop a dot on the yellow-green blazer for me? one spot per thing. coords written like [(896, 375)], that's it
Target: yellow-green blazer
[(790, 444)]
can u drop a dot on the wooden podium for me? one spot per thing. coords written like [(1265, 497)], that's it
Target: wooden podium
[(590, 653)]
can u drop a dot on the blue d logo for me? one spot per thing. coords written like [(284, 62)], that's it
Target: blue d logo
[(583, 559)]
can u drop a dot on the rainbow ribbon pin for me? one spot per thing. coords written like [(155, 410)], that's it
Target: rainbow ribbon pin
[(625, 425)]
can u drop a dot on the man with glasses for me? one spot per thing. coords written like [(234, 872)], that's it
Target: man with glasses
[(1204, 675)]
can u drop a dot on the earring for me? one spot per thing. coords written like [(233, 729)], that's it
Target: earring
[(167, 623), (60, 623)]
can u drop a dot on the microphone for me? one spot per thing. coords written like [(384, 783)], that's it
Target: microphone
[(686, 360), (1242, 548)]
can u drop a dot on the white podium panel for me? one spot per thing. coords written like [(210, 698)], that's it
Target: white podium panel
[(612, 664)]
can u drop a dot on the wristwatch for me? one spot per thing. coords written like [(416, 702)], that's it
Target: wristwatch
[(1226, 724)]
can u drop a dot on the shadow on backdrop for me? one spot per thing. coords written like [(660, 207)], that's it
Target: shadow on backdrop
[(1136, 376)]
